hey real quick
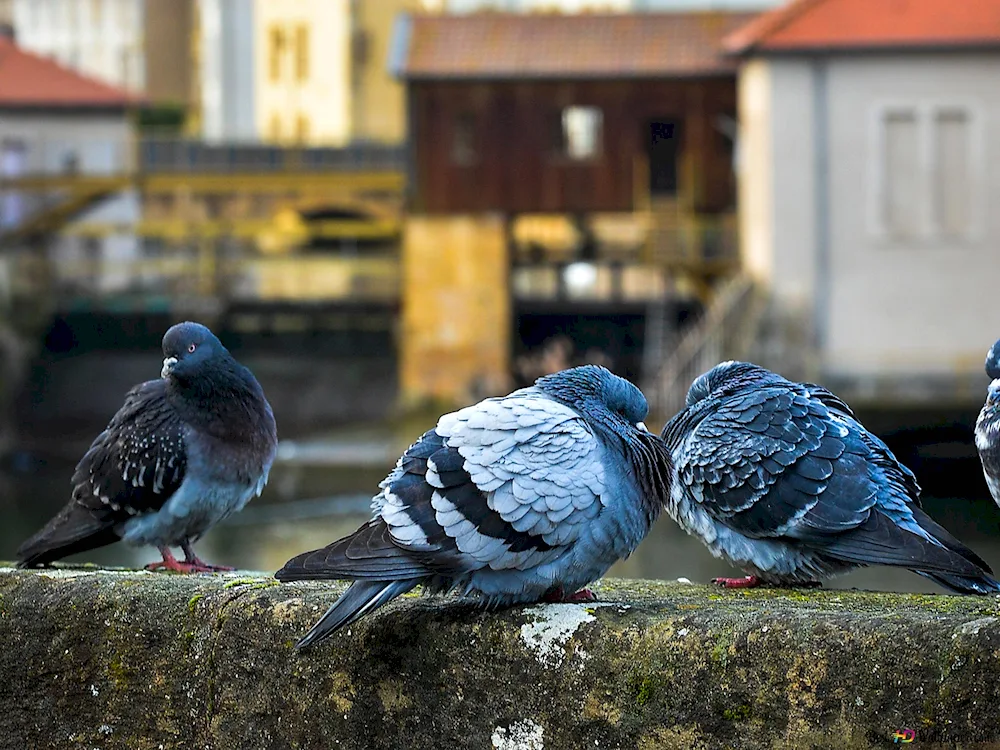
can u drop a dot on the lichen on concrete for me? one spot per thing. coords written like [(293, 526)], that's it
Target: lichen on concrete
[(123, 659)]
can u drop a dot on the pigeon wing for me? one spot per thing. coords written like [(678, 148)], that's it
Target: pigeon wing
[(139, 460), (505, 483), (131, 468), (760, 462)]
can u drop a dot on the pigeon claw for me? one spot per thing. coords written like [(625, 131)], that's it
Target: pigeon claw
[(202, 567), (190, 564), (557, 595), (746, 582)]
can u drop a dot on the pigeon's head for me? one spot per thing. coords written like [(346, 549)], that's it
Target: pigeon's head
[(993, 397), (187, 349), (598, 394), (727, 378), (993, 361)]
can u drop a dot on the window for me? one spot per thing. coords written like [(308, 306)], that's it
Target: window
[(302, 53), (953, 181), (902, 198), (463, 140), (580, 132), (276, 52), (927, 173), (274, 130), (301, 128)]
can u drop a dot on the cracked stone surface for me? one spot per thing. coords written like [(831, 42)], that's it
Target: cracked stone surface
[(121, 659)]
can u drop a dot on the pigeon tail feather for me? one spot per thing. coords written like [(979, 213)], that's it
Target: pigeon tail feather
[(368, 553), (983, 584), (75, 529), (362, 598), (879, 541)]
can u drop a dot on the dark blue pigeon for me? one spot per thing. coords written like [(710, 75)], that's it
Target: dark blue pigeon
[(516, 499), (781, 480), (988, 425), (993, 361), (183, 453)]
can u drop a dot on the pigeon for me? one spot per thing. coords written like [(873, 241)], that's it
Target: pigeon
[(516, 499), (993, 362), (988, 425), (184, 452), (781, 480)]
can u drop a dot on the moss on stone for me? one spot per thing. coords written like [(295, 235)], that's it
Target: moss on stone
[(208, 661)]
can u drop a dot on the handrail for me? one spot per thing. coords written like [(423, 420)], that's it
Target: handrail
[(724, 331)]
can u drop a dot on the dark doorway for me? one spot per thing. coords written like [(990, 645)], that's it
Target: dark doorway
[(662, 136)]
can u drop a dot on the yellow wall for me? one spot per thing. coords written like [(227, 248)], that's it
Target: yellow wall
[(345, 91), (455, 345), (379, 101), (303, 79)]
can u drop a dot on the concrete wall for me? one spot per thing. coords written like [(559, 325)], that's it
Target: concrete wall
[(455, 342), (120, 660), (886, 307)]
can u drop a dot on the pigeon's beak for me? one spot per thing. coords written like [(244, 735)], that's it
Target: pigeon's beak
[(642, 426), (168, 365)]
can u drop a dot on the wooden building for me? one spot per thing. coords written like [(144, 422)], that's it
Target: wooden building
[(586, 113), (587, 157)]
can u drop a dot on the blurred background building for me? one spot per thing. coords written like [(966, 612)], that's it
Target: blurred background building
[(391, 207)]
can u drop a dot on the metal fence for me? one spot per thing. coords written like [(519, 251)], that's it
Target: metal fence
[(180, 155), (126, 274), (725, 331)]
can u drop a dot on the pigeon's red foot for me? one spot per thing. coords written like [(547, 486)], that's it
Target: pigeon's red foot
[(746, 582), (202, 567), (189, 565), (558, 595)]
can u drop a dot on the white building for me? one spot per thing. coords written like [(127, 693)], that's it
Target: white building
[(594, 6), (870, 132), (102, 39), (225, 69), (55, 122)]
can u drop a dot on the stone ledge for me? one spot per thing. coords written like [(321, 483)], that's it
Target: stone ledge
[(120, 659)]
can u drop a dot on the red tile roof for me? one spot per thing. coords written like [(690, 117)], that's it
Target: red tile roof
[(508, 46), (29, 80), (871, 24)]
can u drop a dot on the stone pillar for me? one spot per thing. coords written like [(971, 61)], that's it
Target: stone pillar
[(455, 344)]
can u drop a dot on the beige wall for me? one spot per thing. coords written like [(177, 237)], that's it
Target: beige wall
[(916, 307), (754, 177), (313, 106)]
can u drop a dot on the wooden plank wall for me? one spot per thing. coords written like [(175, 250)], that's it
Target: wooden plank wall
[(517, 166)]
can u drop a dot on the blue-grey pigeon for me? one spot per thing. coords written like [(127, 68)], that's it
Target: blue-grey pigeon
[(988, 425), (516, 499), (183, 453), (780, 479)]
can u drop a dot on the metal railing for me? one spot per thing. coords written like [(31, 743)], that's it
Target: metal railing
[(695, 242), (589, 281), (80, 157), (161, 274), (725, 331), (178, 155)]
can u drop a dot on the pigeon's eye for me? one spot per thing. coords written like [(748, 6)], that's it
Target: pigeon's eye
[(191, 348)]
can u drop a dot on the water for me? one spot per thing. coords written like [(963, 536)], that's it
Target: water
[(307, 505)]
